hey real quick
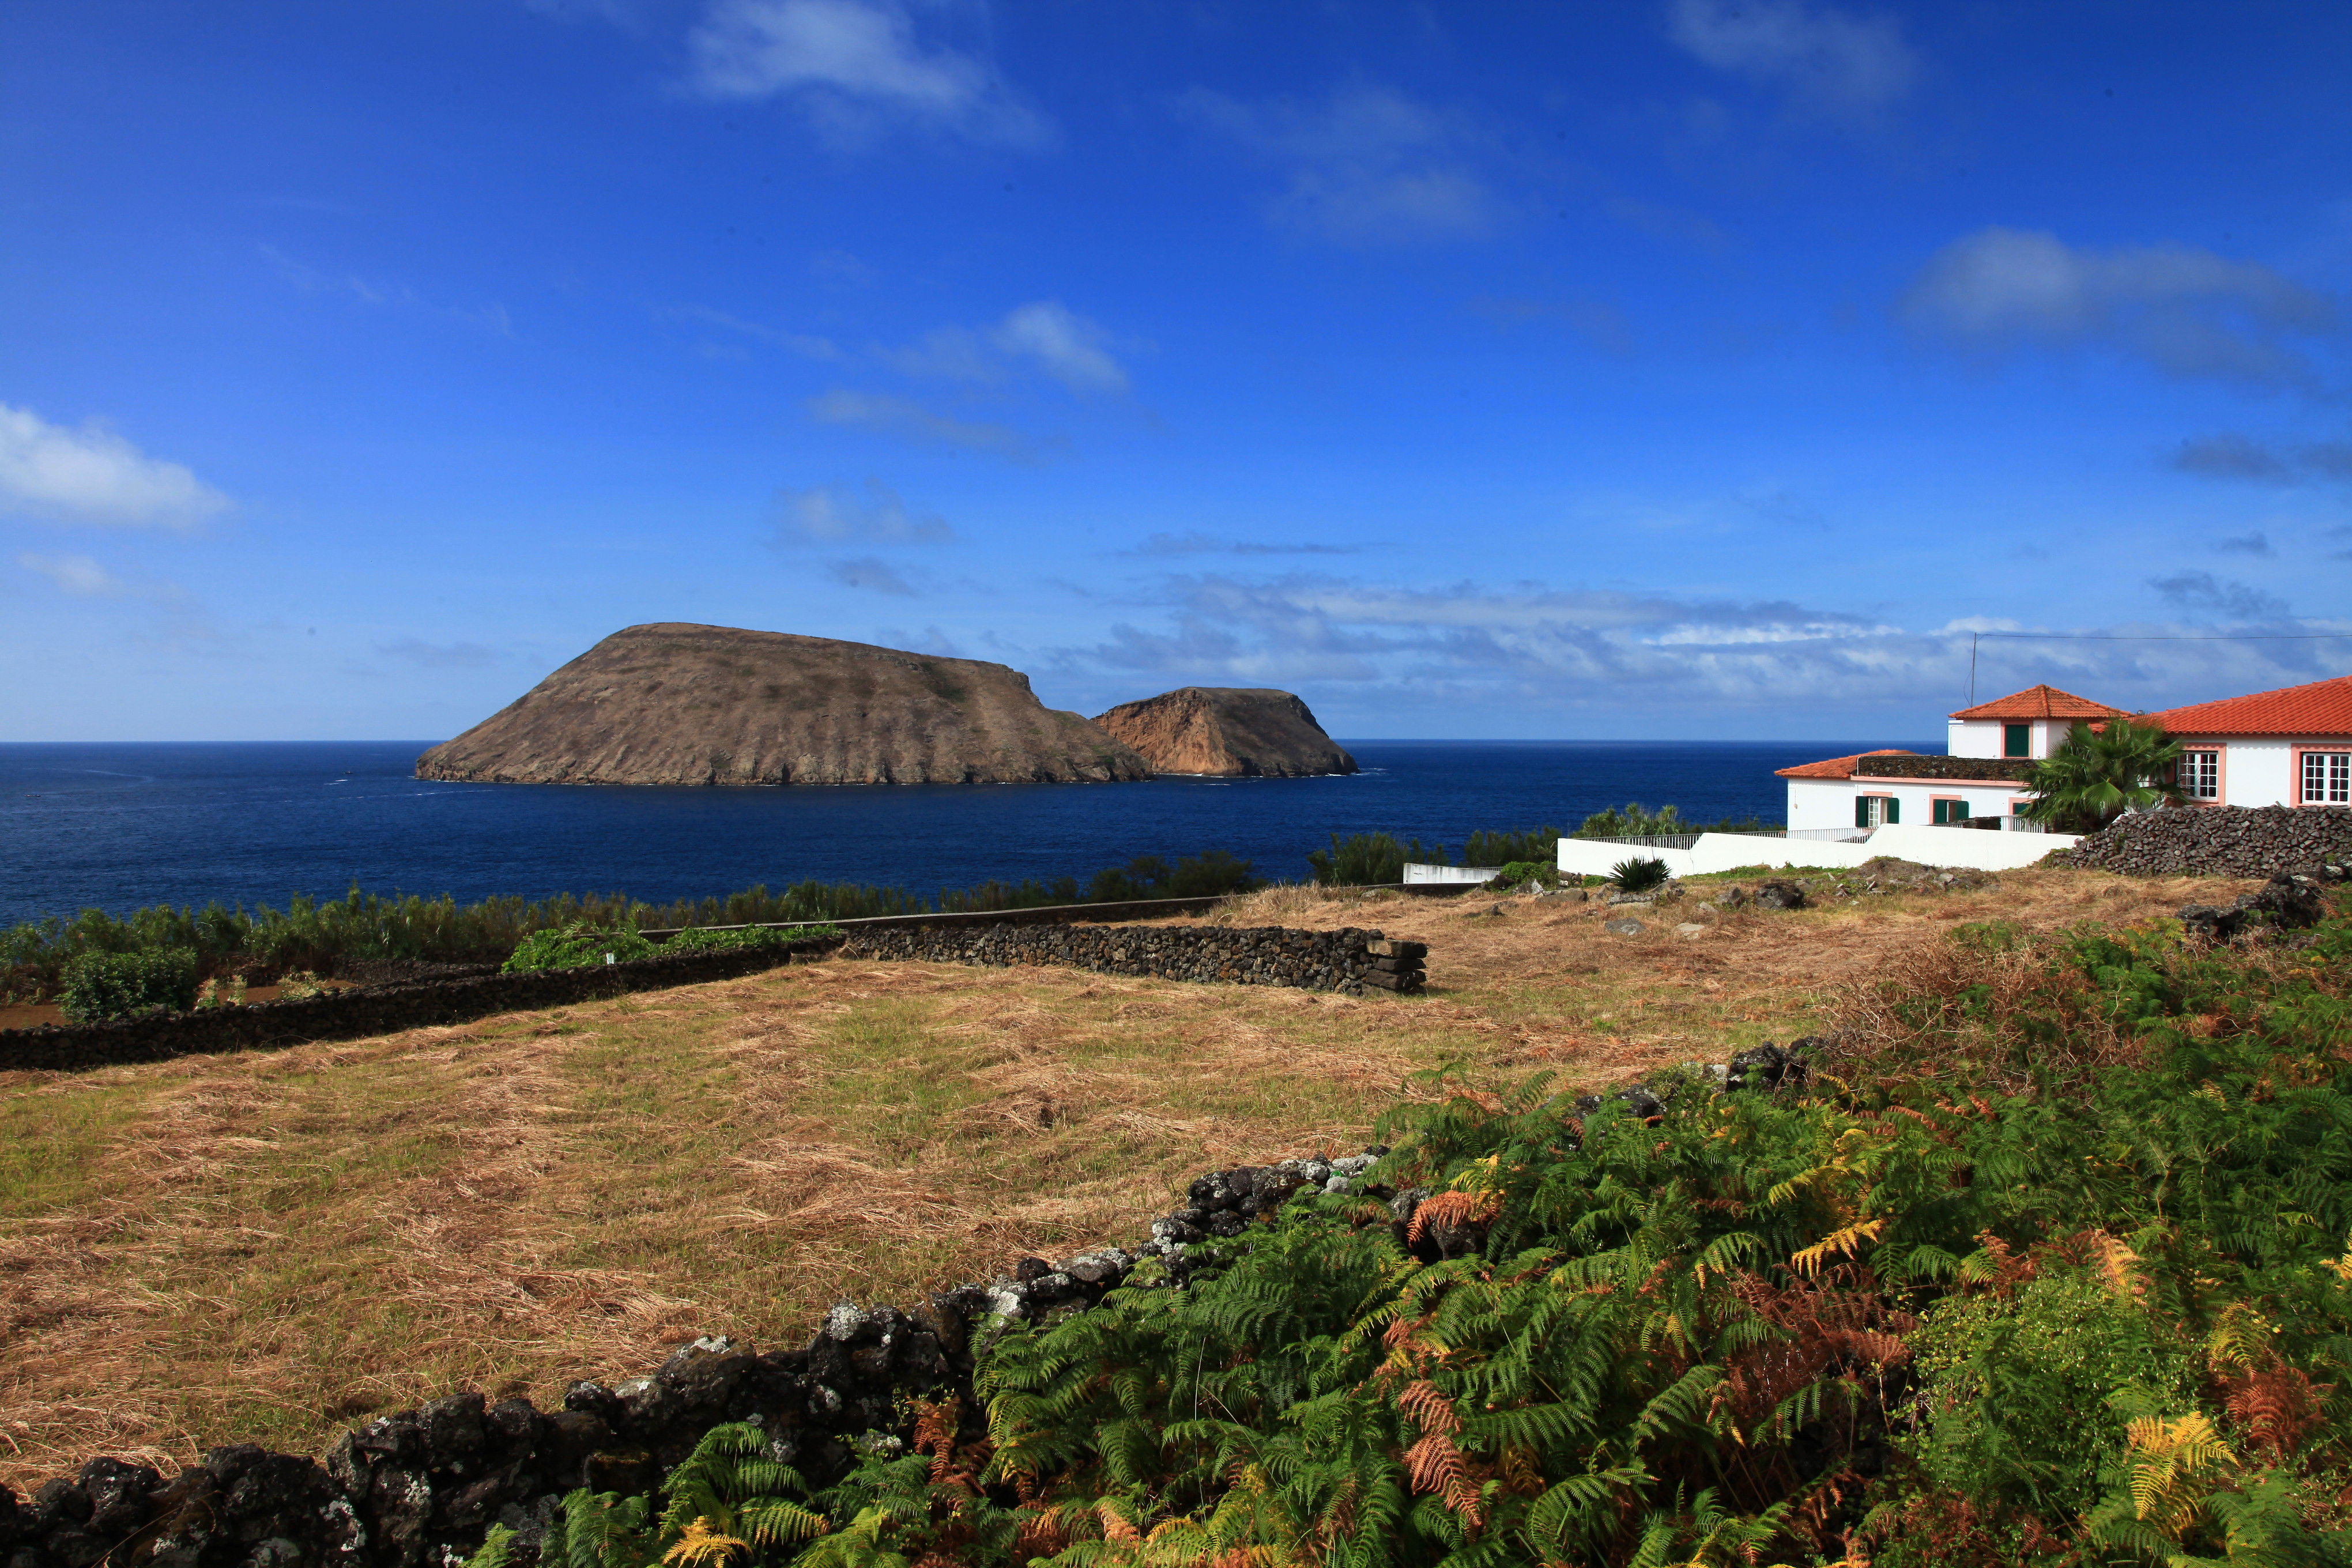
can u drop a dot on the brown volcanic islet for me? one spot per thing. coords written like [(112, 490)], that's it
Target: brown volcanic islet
[(678, 704), (1227, 732)]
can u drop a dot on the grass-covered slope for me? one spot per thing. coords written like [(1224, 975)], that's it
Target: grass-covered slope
[(2049, 1264)]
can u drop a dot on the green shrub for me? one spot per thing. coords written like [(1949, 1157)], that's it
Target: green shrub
[(121, 984), (576, 946), (1486, 848), (1369, 860), (1519, 872), (698, 941)]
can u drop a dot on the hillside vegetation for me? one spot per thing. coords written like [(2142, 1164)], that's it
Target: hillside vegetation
[(2046, 1264)]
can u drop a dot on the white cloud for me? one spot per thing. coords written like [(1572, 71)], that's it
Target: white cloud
[(855, 66), (1366, 164), (1044, 333), (2234, 457), (1828, 58), (828, 514), (92, 475), (2236, 601), (1063, 344), (78, 574), (910, 421), (2187, 311), (1529, 647)]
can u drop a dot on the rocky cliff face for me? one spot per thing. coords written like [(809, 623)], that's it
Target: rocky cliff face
[(1228, 732), (680, 704)]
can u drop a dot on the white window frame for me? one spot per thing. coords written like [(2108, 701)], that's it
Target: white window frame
[(2327, 777), (2200, 773)]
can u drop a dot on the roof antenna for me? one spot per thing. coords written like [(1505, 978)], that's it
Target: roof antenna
[(1972, 668)]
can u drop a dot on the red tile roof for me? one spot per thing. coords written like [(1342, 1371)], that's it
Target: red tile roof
[(1837, 767), (2040, 702), (2320, 708)]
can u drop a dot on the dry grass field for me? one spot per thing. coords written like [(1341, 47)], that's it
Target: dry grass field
[(268, 1246)]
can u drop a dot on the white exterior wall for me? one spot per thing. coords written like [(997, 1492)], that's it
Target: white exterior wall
[(1819, 804), (1416, 874), (1969, 846), (1982, 736), (2256, 770)]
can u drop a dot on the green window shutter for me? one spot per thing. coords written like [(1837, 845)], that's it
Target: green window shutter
[(1862, 811), (1894, 811), (2016, 740), (1959, 811)]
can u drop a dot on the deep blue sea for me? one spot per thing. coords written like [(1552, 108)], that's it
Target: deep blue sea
[(116, 827)]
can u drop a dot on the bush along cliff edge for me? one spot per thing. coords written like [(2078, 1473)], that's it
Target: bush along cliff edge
[(2042, 1256)]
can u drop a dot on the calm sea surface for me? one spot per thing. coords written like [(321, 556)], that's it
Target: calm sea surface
[(115, 827)]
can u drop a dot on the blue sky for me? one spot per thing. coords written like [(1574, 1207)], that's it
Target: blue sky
[(1695, 368)]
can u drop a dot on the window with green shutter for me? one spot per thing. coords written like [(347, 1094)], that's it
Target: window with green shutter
[(2017, 739)]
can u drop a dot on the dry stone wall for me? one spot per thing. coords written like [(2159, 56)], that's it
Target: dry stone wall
[(2220, 841), (1349, 960), (356, 1014)]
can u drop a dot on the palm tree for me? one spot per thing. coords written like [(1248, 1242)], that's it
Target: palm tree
[(2098, 774)]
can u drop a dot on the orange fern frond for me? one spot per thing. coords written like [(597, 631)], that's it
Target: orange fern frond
[(1115, 1524), (1451, 1210), (2277, 1409), (1431, 1410)]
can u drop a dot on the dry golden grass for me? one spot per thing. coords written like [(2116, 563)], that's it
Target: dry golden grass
[(268, 1247)]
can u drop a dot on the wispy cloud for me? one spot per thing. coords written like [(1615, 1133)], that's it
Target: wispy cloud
[(2234, 457), (77, 576), (2202, 592), (869, 572), (491, 318), (910, 421), (91, 475), (1365, 164), (439, 655), (1826, 59), (833, 515), (1044, 336), (805, 344), (857, 67), (1210, 544), (2187, 312), (2254, 544), (1535, 647)]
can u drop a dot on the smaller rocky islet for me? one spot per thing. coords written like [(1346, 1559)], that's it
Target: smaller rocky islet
[(1227, 732)]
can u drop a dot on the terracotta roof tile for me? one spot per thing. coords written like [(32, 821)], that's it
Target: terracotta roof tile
[(1837, 767), (2039, 702), (2320, 708)]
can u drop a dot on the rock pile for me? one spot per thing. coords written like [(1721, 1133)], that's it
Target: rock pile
[(2220, 841), (2288, 901), (1349, 960)]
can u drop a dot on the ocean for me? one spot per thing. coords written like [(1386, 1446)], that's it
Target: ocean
[(114, 826)]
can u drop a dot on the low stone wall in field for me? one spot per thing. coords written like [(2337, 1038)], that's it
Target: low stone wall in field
[(1349, 960), (2220, 841), (355, 1015)]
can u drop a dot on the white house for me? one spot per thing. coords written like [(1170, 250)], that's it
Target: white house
[(2288, 747), (1982, 776)]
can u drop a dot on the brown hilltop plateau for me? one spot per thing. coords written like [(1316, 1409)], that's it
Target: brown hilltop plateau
[(673, 703), (1227, 732)]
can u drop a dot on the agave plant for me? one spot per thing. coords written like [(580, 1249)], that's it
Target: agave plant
[(1638, 875)]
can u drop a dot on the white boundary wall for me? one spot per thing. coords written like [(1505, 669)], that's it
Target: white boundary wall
[(1416, 874), (1973, 847)]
